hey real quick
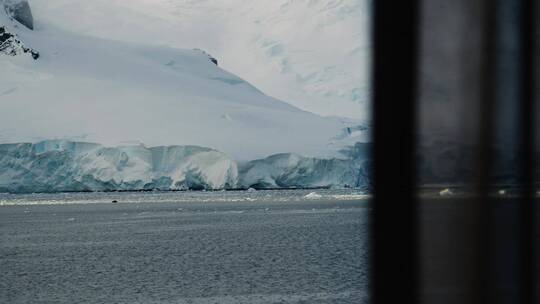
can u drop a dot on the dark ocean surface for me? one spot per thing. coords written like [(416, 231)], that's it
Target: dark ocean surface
[(179, 247)]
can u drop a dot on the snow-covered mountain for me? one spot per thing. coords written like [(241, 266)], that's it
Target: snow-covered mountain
[(313, 54), (118, 93), (60, 90)]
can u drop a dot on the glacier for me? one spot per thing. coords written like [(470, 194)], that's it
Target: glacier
[(85, 88), (66, 166), (288, 170), (56, 166)]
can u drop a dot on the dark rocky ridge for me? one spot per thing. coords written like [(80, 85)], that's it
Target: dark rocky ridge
[(212, 59), (20, 11), (10, 45)]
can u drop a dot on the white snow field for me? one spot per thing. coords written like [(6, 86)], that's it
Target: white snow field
[(84, 88), (313, 54)]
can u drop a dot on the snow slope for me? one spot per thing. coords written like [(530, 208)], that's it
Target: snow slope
[(124, 93), (311, 53)]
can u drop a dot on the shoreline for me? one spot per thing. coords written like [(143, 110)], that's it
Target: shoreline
[(185, 190), (261, 196)]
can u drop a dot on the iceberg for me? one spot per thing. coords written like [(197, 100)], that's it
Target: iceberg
[(313, 195)]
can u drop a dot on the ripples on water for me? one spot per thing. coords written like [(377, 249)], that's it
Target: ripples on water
[(184, 247)]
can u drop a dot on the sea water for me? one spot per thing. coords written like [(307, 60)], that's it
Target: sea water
[(295, 246)]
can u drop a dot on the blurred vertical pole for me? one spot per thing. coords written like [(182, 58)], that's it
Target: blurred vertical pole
[(485, 292), (394, 227), (483, 211), (527, 128)]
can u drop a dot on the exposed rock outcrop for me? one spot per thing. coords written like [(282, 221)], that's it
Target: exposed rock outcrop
[(11, 45), (20, 11), (212, 59), (294, 171)]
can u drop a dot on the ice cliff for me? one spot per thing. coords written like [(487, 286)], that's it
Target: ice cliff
[(294, 171), (53, 166), (56, 166)]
